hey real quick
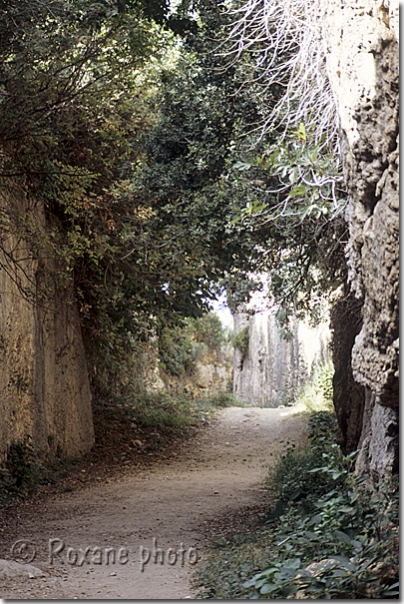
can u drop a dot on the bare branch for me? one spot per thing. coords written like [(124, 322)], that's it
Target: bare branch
[(284, 38)]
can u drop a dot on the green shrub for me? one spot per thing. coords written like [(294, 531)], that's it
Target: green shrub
[(317, 393), (167, 411), (224, 399), (241, 340), (209, 330), (160, 410), (182, 346), (178, 353), (292, 480), (347, 544)]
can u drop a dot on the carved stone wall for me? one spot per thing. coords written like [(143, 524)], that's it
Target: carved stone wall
[(272, 370), (349, 396), (44, 387), (362, 61)]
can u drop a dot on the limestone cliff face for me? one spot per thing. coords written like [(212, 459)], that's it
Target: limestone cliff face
[(213, 372), (44, 383), (362, 61), (349, 396), (213, 375), (272, 370)]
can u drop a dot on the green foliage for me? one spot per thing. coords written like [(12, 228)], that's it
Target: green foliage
[(183, 411), (22, 471), (292, 479), (178, 352), (132, 139), (349, 559), (123, 132), (75, 81), (180, 412), (86, 90), (241, 340), (209, 330), (317, 393), (189, 154), (232, 561), (180, 347), (327, 537), (164, 411), (222, 400), (294, 202)]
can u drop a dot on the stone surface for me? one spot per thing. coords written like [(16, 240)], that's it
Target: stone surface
[(273, 369), (379, 446), (348, 395), (213, 375), (9, 568), (214, 372), (362, 60), (44, 385)]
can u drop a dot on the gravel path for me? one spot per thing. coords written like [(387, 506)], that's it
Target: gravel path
[(167, 510)]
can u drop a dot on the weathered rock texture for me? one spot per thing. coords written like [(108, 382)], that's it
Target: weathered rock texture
[(213, 372), (44, 383), (362, 60), (349, 396), (272, 370), (213, 375)]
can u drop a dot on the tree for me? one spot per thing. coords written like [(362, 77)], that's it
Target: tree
[(288, 174), (294, 207), (202, 116), (75, 78), (272, 198)]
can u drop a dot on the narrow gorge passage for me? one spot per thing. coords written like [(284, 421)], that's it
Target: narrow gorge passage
[(174, 503)]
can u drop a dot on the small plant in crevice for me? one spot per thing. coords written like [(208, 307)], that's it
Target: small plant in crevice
[(241, 340)]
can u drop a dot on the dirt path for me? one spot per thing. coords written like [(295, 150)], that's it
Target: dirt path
[(170, 506)]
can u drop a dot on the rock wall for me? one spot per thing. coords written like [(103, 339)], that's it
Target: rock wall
[(213, 372), (362, 61), (272, 370), (348, 395), (213, 375), (44, 385)]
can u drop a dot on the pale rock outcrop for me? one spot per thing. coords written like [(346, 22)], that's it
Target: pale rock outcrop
[(214, 371), (362, 60), (213, 375), (44, 384), (273, 369)]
